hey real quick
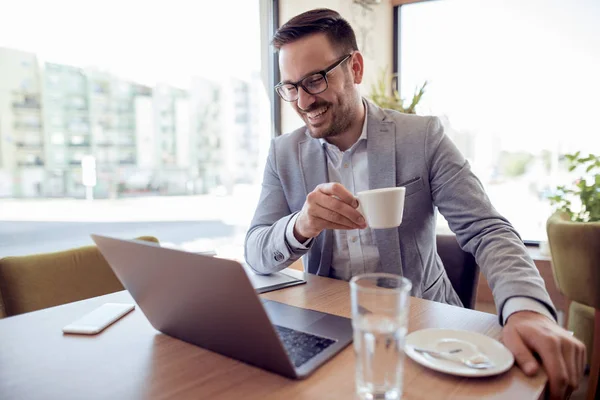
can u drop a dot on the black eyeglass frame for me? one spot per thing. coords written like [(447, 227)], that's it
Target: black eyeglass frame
[(323, 73)]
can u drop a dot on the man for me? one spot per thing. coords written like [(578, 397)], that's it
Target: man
[(307, 206)]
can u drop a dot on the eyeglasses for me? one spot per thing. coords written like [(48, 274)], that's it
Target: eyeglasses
[(313, 84)]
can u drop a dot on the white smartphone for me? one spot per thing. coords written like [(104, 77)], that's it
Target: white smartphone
[(96, 321)]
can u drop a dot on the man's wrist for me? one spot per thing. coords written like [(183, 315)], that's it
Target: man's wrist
[(519, 304), (299, 237), (290, 238)]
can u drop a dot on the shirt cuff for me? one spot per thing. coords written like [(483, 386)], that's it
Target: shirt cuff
[(520, 303), (291, 239)]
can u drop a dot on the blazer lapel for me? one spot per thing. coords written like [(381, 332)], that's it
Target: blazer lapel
[(381, 150), (313, 163), (313, 169)]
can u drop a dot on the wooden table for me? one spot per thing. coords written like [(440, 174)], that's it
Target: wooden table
[(131, 360)]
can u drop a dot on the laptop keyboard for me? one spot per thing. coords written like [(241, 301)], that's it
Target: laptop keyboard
[(302, 346)]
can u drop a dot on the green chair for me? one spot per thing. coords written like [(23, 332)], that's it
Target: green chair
[(34, 282), (575, 249)]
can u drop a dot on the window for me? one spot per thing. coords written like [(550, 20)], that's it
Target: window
[(516, 84), (59, 158), (57, 138), (164, 112), (78, 140)]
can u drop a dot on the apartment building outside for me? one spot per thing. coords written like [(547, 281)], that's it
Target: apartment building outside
[(206, 127), (114, 118), (246, 130), (144, 140), (68, 133), (22, 151), (230, 132)]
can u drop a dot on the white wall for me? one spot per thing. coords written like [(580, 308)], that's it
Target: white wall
[(378, 53)]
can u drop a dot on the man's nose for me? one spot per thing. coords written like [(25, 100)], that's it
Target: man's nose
[(304, 99)]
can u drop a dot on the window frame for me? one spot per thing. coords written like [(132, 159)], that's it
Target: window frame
[(274, 76)]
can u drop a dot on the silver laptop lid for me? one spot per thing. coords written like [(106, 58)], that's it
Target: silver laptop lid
[(202, 300)]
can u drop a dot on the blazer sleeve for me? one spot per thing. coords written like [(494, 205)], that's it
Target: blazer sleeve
[(479, 228), (265, 248)]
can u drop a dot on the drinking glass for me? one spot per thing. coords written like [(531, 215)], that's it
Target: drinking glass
[(379, 322)]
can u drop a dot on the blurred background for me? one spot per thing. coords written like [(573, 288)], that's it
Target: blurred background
[(137, 118), (130, 118)]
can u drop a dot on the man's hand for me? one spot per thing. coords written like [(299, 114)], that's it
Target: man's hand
[(562, 356), (329, 206)]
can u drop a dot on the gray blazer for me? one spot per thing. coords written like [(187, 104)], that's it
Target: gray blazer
[(403, 150)]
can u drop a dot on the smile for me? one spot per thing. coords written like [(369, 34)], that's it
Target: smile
[(315, 115)]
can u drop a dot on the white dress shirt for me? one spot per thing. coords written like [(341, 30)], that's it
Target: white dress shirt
[(355, 251)]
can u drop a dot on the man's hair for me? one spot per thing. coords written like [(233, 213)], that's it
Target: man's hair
[(321, 20)]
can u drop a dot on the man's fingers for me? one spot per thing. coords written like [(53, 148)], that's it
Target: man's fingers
[(330, 217), (524, 358), (548, 347), (560, 354), (582, 361), (344, 209), (324, 224), (571, 356), (339, 191), (329, 206), (337, 211)]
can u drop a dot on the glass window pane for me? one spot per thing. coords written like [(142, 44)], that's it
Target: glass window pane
[(516, 84), (177, 126)]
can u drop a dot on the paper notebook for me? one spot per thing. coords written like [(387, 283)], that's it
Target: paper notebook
[(275, 281)]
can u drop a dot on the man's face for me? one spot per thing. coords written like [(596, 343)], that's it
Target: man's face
[(331, 112)]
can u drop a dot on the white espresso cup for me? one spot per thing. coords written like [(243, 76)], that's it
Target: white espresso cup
[(382, 208)]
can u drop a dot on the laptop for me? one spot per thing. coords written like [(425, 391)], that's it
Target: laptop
[(210, 302)]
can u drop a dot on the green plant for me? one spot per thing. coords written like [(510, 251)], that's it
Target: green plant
[(514, 165), (589, 195), (385, 95)]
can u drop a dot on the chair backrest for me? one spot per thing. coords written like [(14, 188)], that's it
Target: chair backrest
[(461, 268), (575, 248), (30, 283)]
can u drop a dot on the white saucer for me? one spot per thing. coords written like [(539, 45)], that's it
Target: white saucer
[(469, 342)]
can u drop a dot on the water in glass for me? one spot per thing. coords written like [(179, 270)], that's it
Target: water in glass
[(380, 321), (379, 349)]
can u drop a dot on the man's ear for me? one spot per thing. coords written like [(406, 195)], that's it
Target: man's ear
[(357, 65)]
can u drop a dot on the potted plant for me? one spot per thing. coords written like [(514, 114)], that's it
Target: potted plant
[(385, 94), (574, 238), (585, 191)]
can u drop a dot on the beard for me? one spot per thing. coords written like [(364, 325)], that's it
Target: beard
[(340, 115), (341, 118)]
